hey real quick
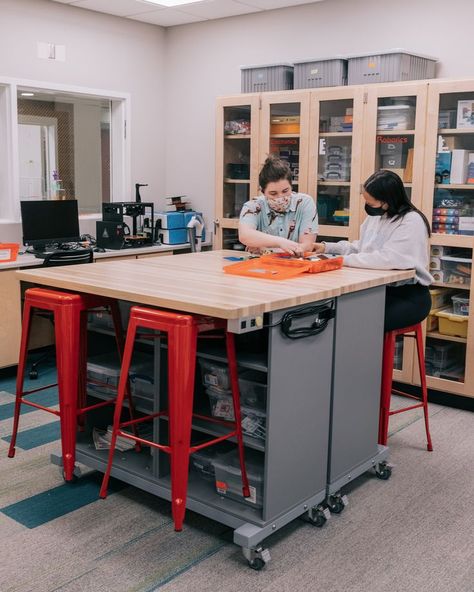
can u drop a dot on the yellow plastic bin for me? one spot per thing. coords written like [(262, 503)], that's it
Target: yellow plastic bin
[(452, 324)]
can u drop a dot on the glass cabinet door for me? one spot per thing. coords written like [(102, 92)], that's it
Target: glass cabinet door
[(236, 164), (449, 177), (335, 149), (449, 204), (284, 132), (395, 134)]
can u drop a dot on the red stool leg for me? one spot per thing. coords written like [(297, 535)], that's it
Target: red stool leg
[(182, 342), (234, 380), (117, 320), (20, 376), (82, 384), (127, 358), (67, 331), (386, 387), (424, 390)]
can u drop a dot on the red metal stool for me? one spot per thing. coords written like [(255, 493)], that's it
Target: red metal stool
[(182, 332), (387, 372), (70, 324)]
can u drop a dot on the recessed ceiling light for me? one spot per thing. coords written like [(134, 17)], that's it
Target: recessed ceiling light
[(171, 2), (27, 94)]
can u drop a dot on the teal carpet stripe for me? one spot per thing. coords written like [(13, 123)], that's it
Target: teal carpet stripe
[(38, 436), (47, 398), (59, 501)]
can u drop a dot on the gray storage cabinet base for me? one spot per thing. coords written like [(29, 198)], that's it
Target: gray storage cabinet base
[(357, 367)]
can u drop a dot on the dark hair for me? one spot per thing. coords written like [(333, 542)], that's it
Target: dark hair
[(274, 169), (387, 186)]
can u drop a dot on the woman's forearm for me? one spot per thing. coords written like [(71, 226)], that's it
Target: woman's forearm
[(256, 239)]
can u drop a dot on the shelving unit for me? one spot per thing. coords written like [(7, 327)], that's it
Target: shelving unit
[(421, 101)]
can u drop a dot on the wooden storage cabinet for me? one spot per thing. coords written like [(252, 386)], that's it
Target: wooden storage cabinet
[(399, 126)]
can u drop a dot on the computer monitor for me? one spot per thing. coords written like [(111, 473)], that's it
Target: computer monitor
[(49, 221)]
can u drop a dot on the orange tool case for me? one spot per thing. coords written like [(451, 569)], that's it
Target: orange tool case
[(282, 266)]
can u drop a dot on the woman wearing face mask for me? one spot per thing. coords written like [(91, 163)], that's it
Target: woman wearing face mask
[(393, 236), (281, 218)]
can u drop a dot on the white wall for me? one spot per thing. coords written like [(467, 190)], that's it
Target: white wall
[(203, 59), (102, 52)]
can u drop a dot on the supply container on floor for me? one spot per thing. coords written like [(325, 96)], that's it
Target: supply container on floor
[(228, 477), (320, 72), (389, 66), (267, 77), (202, 461)]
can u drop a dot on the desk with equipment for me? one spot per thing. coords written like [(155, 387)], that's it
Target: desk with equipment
[(322, 391)]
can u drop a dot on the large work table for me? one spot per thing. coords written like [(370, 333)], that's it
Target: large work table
[(322, 390)]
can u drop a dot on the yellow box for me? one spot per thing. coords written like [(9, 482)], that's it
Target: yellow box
[(452, 324)]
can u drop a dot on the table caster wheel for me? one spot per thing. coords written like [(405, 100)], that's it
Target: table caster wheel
[(335, 503), (317, 516), (257, 558), (257, 564), (383, 471)]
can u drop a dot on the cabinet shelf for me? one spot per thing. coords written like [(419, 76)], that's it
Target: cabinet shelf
[(334, 230), (436, 335), (284, 135), (395, 132), (237, 137), (455, 286), (454, 130), (335, 183), (237, 181), (454, 185), (335, 134)]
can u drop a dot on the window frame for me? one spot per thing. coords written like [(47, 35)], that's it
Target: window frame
[(120, 178)]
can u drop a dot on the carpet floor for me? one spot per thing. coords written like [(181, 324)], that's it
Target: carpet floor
[(413, 532)]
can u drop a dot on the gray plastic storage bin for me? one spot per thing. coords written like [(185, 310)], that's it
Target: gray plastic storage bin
[(267, 77), (319, 73), (105, 368), (389, 66), (229, 478)]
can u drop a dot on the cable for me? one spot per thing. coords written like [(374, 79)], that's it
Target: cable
[(323, 316)]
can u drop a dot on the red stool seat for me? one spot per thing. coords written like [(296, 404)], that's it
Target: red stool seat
[(182, 332), (387, 373), (70, 324)]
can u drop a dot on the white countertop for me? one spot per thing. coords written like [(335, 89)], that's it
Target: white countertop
[(29, 260)]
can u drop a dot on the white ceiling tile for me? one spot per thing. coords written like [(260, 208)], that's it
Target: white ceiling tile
[(167, 18), (272, 4), (116, 7), (214, 9)]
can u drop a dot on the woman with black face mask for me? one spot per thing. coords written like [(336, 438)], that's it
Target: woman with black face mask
[(393, 236)]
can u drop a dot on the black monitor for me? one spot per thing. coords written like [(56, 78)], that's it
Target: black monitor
[(46, 222)]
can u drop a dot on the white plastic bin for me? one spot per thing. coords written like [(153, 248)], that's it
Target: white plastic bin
[(460, 305), (389, 66)]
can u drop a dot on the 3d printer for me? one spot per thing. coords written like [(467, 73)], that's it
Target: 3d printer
[(113, 232)]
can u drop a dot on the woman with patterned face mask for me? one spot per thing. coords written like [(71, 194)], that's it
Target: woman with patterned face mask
[(281, 218), (393, 236)]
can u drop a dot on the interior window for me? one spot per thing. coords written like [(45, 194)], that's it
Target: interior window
[(64, 147)]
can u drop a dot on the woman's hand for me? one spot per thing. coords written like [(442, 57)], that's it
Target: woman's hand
[(291, 247), (319, 247)]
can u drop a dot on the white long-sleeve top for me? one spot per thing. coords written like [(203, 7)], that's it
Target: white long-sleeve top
[(386, 243)]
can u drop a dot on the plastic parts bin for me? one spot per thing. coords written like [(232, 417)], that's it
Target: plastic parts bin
[(389, 66), (229, 482), (460, 305), (214, 374), (267, 77), (452, 324), (456, 270), (320, 72)]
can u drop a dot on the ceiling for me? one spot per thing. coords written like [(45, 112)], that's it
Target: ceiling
[(205, 10)]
